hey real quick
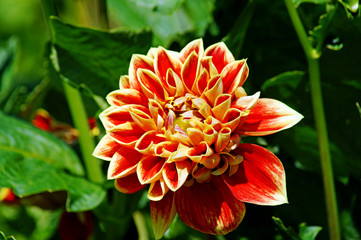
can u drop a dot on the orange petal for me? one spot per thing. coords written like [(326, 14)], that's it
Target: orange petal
[(106, 148), (148, 142), (162, 213), (208, 65), (190, 71), (176, 173), (138, 62), (234, 75), (150, 169), (127, 133), (260, 178), (143, 120), (150, 84), (129, 184), (269, 116), (124, 163), (221, 105), (126, 96), (221, 56), (209, 207), (214, 89), (195, 45), (164, 61), (157, 190), (223, 138)]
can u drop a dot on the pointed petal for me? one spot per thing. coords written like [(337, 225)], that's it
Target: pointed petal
[(209, 207), (190, 71), (124, 163), (221, 56), (138, 62), (234, 75), (162, 213), (129, 184), (127, 133), (150, 168), (106, 148), (214, 89), (246, 102), (150, 84), (164, 61), (126, 96), (269, 116), (260, 178), (196, 46)]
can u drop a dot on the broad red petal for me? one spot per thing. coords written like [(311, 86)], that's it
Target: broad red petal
[(175, 173), (124, 162), (269, 116), (209, 207), (129, 184), (260, 178), (234, 75), (162, 213), (127, 133)]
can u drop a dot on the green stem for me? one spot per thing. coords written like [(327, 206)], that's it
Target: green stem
[(139, 221), (86, 142), (316, 94)]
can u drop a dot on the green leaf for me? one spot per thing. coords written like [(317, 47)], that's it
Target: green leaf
[(308, 232), (95, 58), (298, 2), (7, 58), (2, 236), (302, 145), (235, 38), (283, 84), (21, 140), (33, 161), (170, 23)]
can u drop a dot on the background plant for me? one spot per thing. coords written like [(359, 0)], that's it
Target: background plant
[(62, 57)]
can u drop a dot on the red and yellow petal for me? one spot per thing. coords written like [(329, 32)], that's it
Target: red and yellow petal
[(162, 213), (269, 116), (176, 173), (123, 163), (260, 178), (106, 148), (220, 54), (234, 75), (129, 184), (150, 169), (196, 46), (126, 96), (209, 207), (138, 62)]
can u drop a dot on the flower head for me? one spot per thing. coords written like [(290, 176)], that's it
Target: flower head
[(176, 125)]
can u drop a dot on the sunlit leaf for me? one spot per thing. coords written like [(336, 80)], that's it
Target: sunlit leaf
[(92, 57), (308, 232), (298, 2)]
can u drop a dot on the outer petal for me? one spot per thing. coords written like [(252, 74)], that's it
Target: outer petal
[(106, 148), (124, 163), (164, 61), (269, 116), (234, 75), (176, 173), (209, 207), (126, 96), (129, 184), (260, 178), (162, 213)]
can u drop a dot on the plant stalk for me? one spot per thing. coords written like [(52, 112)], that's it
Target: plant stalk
[(316, 94), (86, 142)]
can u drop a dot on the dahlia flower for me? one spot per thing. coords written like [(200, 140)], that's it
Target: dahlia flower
[(176, 125)]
